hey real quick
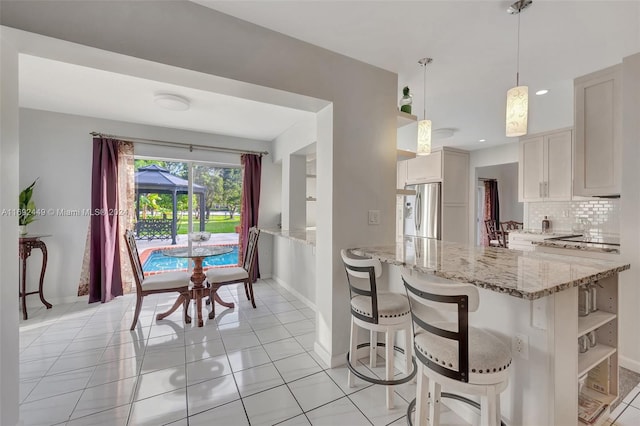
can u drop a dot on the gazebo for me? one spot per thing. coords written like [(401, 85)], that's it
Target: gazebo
[(157, 180)]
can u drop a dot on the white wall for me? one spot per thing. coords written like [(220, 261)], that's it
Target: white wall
[(9, 151), (507, 177), (501, 154), (356, 146), (57, 148)]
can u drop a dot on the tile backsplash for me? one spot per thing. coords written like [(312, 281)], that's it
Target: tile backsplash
[(598, 216)]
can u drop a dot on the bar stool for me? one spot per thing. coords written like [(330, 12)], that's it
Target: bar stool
[(452, 354), (376, 312)]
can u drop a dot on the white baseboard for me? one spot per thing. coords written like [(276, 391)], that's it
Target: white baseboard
[(293, 291), (34, 302), (629, 364), (325, 356)]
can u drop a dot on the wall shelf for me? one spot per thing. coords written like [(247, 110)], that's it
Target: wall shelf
[(593, 357), (402, 154), (593, 321), (405, 119)]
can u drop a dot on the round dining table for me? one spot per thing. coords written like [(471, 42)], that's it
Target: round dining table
[(197, 253)]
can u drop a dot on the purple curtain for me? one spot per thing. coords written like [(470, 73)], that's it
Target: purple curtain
[(252, 167), (491, 206), (105, 279)]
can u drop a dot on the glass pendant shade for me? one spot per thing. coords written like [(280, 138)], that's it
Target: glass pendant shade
[(517, 111), (424, 137)]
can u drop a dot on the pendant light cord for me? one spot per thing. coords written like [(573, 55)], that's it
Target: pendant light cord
[(424, 88), (518, 54)]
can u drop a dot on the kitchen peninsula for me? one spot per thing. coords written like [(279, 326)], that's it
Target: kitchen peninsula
[(534, 296)]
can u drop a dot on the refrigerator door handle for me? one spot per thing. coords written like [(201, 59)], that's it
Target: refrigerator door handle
[(418, 212)]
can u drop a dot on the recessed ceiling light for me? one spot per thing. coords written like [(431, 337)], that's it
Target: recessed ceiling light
[(482, 140), (172, 102), (542, 92)]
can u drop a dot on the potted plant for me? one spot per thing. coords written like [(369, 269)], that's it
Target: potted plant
[(27, 208)]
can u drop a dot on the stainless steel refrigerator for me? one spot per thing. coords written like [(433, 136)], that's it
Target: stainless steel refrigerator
[(423, 212)]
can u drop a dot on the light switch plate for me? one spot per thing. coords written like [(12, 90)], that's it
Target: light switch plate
[(374, 217)]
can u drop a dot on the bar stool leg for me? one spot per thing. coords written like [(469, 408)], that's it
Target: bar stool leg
[(408, 350), (388, 359), (422, 400), (488, 404), (373, 350), (434, 407), (353, 351), (498, 416)]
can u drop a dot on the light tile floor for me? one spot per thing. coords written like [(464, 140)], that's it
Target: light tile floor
[(80, 365), (628, 412)]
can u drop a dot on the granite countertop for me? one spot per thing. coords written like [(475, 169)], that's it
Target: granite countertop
[(527, 275), (571, 245), (303, 236)]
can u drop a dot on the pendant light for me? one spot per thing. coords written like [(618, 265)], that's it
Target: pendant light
[(424, 125), (517, 97)]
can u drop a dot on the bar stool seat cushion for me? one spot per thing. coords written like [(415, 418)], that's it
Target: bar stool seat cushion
[(166, 280), (221, 275), (390, 305), (487, 353)]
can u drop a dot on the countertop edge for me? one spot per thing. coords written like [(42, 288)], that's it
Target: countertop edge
[(497, 288), (309, 238), (575, 246)]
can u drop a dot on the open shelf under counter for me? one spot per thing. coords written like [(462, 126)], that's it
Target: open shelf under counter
[(593, 321), (606, 399), (593, 357)]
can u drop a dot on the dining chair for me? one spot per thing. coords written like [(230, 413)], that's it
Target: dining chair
[(452, 354), (507, 226), (167, 282), (217, 277), (494, 236)]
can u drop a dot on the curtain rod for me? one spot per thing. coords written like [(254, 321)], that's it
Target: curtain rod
[(189, 146)]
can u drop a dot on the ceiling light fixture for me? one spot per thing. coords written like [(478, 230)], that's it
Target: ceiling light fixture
[(542, 92), (424, 125), (518, 96), (482, 140), (443, 133), (172, 102)]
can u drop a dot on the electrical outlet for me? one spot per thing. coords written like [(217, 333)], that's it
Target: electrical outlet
[(374, 217), (520, 345)]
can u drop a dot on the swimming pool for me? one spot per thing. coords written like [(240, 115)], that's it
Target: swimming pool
[(159, 262)]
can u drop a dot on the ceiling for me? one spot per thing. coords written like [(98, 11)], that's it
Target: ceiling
[(473, 44), (51, 85)]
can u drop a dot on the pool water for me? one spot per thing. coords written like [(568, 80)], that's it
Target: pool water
[(159, 262)]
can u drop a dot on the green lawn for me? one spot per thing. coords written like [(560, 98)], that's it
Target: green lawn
[(216, 224)]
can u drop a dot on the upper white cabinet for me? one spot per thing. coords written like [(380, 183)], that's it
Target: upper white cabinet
[(598, 121), (544, 171), (425, 168)]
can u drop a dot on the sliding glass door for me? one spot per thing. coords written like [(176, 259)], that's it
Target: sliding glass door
[(176, 199)]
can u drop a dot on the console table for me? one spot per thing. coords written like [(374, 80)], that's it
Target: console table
[(27, 243)]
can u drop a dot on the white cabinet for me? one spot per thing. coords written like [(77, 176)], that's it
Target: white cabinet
[(598, 123), (425, 168), (544, 171), (524, 242)]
